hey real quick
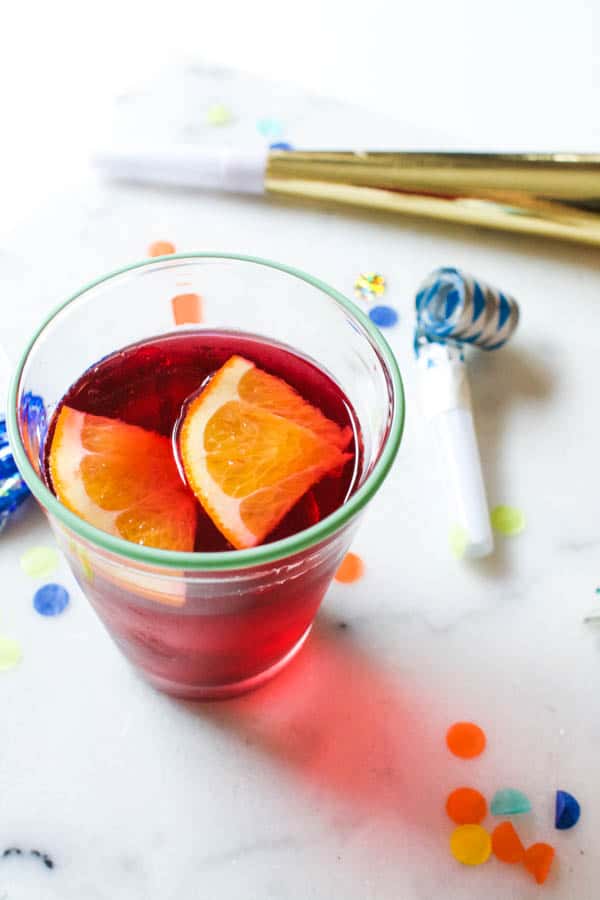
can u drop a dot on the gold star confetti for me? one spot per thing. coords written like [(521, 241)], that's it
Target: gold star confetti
[(368, 286)]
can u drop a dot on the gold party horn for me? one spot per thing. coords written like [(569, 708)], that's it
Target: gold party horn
[(550, 194)]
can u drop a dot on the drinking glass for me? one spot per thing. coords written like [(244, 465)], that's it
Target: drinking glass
[(208, 625)]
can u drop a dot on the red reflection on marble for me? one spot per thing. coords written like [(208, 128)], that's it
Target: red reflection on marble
[(349, 729)]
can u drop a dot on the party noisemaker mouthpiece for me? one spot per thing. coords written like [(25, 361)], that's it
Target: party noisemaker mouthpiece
[(453, 309), (453, 305)]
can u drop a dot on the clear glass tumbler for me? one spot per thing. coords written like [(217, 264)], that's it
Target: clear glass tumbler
[(202, 625)]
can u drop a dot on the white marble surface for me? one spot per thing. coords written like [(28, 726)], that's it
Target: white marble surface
[(331, 781)]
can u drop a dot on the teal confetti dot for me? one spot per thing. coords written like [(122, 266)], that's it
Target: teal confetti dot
[(270, 128), (509, 802), (51, 600), (383, 316)]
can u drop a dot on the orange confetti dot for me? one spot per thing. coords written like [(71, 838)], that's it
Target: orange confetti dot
[(161, 248), (465, 739), (466, 806), (351, 569), (538, 859), (506, 843), (187, 308)]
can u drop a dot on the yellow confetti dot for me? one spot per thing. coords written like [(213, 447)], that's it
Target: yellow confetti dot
[(507, 520), (39, 562), (219, 115), (458, 540), (85, 563), (471, 845), (10, 653)]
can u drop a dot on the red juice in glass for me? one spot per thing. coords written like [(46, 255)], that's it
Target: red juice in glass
[(197, 639)]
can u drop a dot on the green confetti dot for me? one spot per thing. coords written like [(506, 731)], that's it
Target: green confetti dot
[(39, 562), (507, 520), (10, 653), (219, 115), (458, 540), (509, 802), (85, 563)]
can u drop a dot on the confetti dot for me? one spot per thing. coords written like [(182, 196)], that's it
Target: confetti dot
[(39, 562), (471, 845), (351, 569), (538, 859), (85, 563), (466, 806), (506, 843), (509, 802), (280, 145), (219, 115), (161, 248), (383, 316), (187, 308), (51, 600), (567, 811), (458, 540), (369, 285), (507, 520), (10, 653), (270, 128), (465, 739)]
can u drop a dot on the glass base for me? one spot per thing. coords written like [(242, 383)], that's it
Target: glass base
[(224, 691)]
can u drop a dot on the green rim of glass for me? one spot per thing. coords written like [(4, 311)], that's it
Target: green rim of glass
[(233, 559)]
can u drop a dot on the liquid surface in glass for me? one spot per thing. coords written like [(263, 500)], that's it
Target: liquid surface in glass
[(149, 385)]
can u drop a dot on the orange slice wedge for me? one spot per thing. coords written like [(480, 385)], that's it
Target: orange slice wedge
[(122, 479), (251, 447)]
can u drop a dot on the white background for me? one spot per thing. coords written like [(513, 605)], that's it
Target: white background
[(330, 782), (519, 74)]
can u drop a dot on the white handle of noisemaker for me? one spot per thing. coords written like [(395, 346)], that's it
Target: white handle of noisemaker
[(188, 165), (446, 404)]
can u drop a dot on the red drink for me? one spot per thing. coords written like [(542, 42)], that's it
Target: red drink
[(195, 636)]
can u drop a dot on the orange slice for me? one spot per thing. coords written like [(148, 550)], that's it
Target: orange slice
[(251, 447), (122, 479)]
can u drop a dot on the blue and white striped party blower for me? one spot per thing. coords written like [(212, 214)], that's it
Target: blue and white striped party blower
[(13, 490), (454, 309)]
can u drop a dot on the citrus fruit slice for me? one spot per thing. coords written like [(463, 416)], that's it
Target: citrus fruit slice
[(122, 479), (251, 447)]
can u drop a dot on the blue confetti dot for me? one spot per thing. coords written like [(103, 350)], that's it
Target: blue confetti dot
[(567, 811), (384, 316), (270, 128), (280, 145), (51, 600)]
